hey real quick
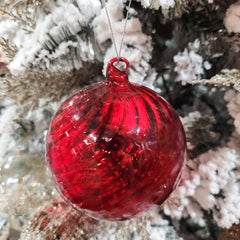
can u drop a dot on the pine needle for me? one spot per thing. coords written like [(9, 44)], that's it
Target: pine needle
[(28, 89), (9, 49), (225, 78), (22, 12)]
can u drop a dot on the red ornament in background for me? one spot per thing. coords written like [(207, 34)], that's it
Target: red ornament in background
[(115, 148)]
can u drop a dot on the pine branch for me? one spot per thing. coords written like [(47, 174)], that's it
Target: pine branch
[(22, 12), (178, 10), (20, 3), (226, 78), (28, 89), (9, 49), (21, 18)]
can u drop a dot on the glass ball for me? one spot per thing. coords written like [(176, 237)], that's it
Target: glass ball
[(115, 149)]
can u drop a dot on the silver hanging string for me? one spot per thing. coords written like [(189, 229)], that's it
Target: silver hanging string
[(124, 30), (110, 25)]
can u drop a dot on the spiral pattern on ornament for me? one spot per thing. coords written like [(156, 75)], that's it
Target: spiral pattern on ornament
[(114, 151)]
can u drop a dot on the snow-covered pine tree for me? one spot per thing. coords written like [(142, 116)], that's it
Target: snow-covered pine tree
[(187, 50)]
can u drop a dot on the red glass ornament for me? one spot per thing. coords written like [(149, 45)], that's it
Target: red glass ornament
[(115, 148)]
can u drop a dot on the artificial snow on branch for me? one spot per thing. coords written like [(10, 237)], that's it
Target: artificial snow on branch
[(210, 182), (60, 41), (233, 104), (66, 43), (232, 18), (189, 64), (156, 4)]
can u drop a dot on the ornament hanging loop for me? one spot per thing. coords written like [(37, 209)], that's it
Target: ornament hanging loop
[(118, 59), (116, 77)]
